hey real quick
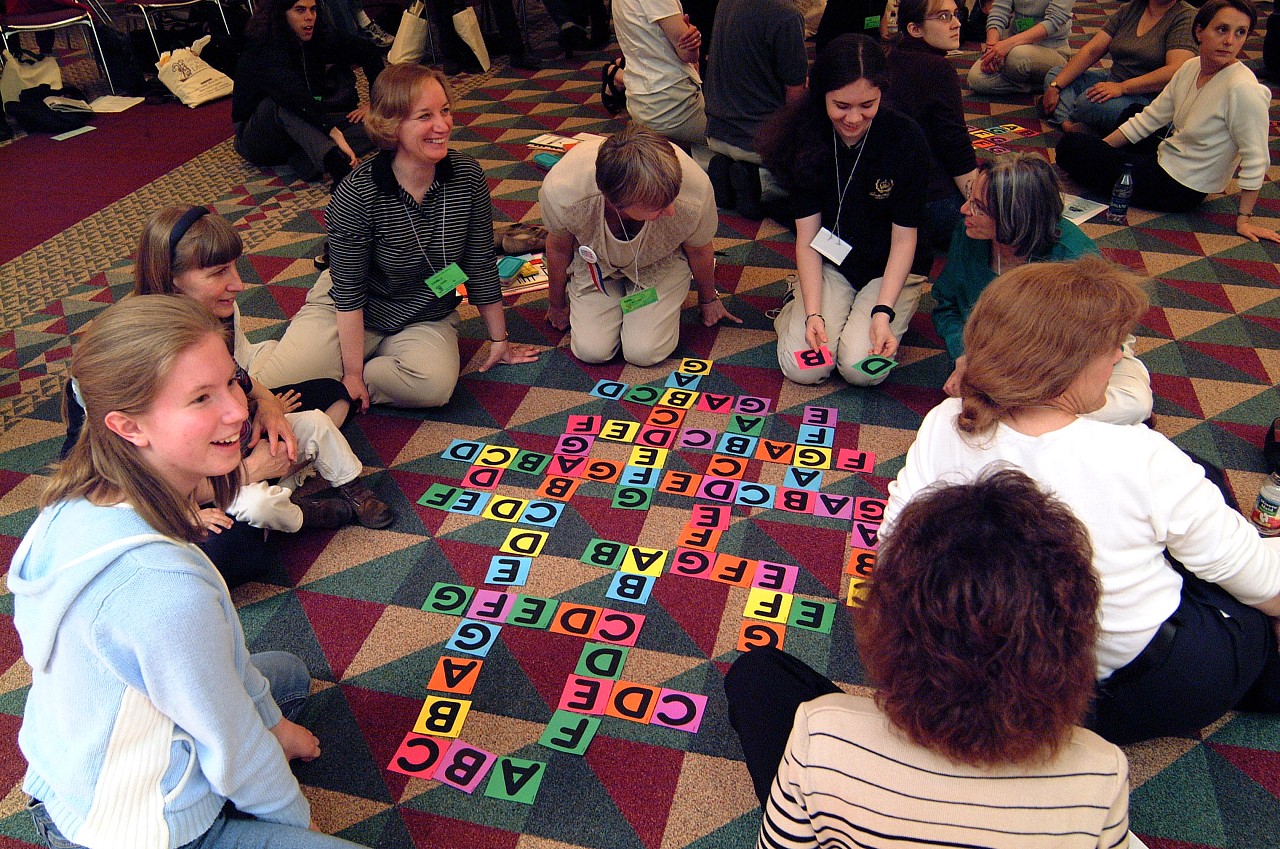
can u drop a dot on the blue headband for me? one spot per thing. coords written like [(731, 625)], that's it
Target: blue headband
[(191, 216)]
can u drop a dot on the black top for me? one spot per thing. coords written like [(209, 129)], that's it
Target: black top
[(311, 80), (924, 87), (383, 245), (888, 187)]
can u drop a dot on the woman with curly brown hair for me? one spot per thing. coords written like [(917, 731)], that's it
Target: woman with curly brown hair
[(1181, 643), (978, 631)]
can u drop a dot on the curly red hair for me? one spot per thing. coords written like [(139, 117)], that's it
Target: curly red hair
[(980, 624)]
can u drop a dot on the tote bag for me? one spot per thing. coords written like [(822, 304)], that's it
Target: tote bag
[(410, 45), (467, 26), (25, 69)]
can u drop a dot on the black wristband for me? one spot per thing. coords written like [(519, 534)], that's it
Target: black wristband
[(886, 310)]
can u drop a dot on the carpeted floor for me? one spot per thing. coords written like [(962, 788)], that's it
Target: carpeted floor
[(352, 602)]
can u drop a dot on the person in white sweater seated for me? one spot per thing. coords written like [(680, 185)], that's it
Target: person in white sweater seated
[(978, 630), (1212, 118), (1182, 642)]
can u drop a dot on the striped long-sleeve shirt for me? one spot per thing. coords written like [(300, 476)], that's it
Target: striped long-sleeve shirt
[(849, 779), (383, 245)]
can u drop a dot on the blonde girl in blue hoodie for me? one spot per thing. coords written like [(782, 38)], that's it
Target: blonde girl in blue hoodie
[(146, 712)]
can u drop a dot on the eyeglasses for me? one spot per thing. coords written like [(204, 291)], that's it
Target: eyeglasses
[(945, 17), (977, 206)]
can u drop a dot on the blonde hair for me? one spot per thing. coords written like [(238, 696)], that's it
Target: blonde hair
[(393, 95), (637, 167), (1036, 328), (121, 365), (208, 241)]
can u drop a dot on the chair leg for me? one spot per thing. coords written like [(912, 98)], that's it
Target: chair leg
[(150, 31), (102, 57), (226, 26)]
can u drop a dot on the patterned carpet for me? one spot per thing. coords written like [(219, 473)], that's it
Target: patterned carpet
[(574, 726)]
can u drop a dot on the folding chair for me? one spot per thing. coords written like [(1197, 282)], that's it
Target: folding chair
[(158, 7), (55, 18)]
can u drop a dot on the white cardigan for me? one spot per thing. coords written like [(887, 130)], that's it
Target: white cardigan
[(1137, 494), (1216, 128)]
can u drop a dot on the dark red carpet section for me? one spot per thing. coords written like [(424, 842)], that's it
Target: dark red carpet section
[(84, 174)]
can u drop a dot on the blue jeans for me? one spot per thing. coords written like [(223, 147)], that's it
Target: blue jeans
[(1102, 117), (290, 683)]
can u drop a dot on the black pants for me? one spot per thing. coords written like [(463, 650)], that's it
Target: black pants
[(275, 136), (764, 688), (321, 393), (1222, 656), (1096, 165)]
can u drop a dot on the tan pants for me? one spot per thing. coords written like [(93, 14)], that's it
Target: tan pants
[(848, 318), (1024, 70), (645, 336), (416, 367), (677, 112)]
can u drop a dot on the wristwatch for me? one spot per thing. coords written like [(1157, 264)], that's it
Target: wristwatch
[(1054, 84)]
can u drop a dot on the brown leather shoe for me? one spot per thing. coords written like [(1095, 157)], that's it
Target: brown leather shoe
[(369, 510), (327, 513)]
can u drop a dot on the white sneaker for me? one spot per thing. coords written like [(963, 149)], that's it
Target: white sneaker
[(377, 34)]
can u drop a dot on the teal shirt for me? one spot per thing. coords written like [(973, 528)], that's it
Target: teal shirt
[(968, 271)]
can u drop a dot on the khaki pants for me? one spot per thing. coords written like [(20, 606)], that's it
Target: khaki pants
[(1024, 70), (677, 112), (645, 336), (416, 367), (848, 318)]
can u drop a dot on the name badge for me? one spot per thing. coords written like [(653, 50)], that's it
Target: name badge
[(636, 300), (446, 279), (831, 246)]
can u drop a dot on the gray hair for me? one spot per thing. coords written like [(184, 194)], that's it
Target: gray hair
[(1025, 199)]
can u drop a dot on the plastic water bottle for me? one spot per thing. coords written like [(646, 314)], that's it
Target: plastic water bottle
[(1266, 513), (1121, 194)]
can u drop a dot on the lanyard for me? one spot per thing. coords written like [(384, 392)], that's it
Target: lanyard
[(636, 243), (444, 216), (835, 154)]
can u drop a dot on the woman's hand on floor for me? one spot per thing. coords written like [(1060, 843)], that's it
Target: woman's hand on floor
[(713, 312), (1253, 232), (509, 353)]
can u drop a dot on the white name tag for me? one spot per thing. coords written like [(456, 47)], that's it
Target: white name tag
[(831, 246)]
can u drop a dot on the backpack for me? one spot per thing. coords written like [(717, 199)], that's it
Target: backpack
[(35, 116)]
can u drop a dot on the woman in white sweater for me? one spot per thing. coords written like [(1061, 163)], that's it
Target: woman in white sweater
[(1216, 113), (1180, 644)]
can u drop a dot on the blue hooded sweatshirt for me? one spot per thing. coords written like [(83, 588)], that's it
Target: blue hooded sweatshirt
[(145, 712)]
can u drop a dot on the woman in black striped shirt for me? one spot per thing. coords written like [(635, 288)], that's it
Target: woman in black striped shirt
[(405, 229)]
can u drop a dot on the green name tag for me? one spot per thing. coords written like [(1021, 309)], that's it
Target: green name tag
[(872, 22), (1024, 24), (446, 280), (636, 300)]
